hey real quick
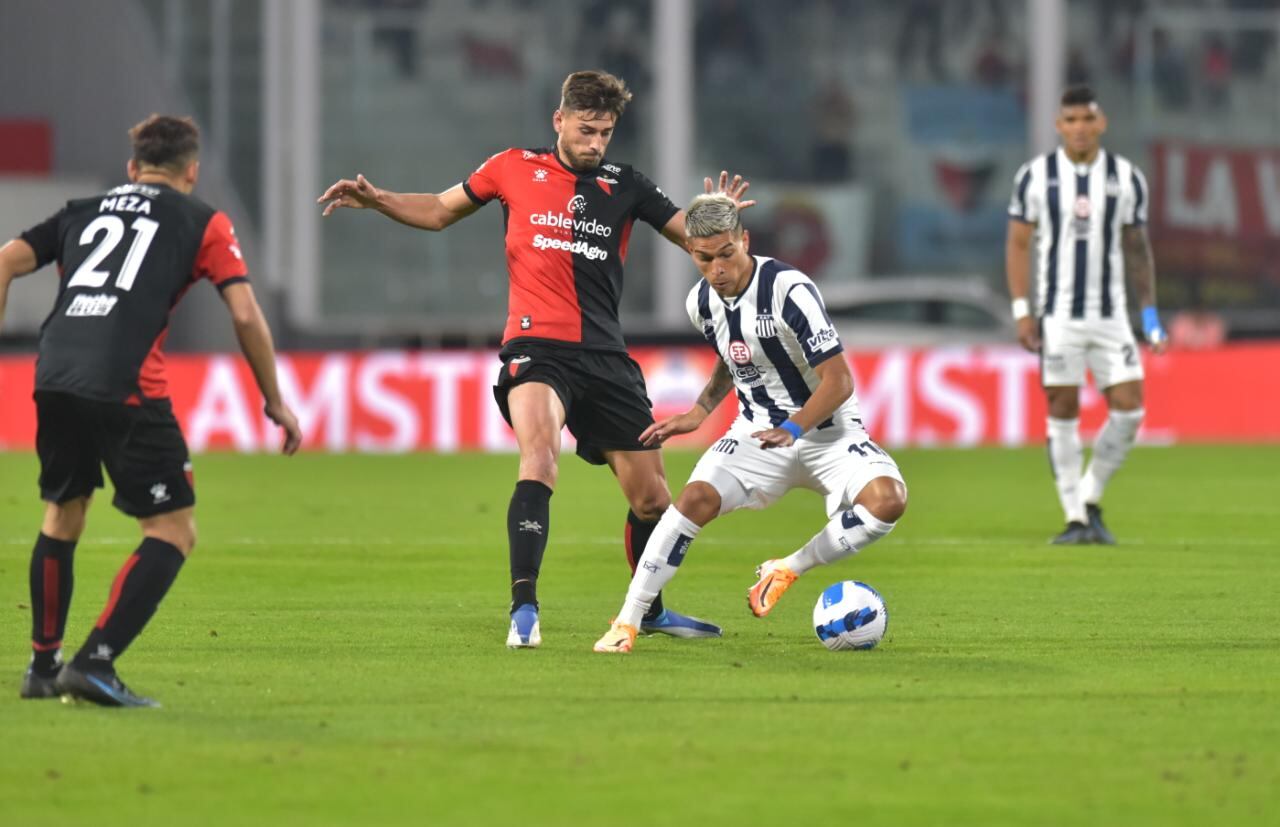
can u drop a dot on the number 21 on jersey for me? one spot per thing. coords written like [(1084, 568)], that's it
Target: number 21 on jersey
[(111, 228)]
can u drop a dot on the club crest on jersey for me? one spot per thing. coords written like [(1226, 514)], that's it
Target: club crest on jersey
[(740, 352), (526, 322), (1113, 186), (576, 204), (540, 176), (764, 326)]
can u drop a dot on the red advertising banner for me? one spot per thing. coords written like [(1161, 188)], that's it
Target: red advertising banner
[(1215, 210), (395, 401)]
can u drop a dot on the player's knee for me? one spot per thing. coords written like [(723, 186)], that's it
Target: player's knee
[(65, 521), (540, 467), (699, 503), (650, 507), (885, 498)]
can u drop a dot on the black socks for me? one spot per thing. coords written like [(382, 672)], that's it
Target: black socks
[(137, 591), (528, 521), (51, 581)]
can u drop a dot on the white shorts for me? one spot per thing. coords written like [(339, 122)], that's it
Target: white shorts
[(1106, 347), (837, 463)]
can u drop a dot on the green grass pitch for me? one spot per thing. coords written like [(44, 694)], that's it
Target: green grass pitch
[(333, 654)]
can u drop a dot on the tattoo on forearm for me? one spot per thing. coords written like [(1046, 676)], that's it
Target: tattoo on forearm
[(1139, 264), (717, 389)]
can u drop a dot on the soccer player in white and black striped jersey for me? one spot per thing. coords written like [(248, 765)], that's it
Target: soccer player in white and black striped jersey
[(798, 423), (1087, 209)]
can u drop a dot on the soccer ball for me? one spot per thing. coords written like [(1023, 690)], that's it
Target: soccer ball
[(850, 615)]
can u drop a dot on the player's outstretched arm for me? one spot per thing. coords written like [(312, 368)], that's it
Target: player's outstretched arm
[(835, 386), (674, 231), (16, 259), (1140, 264), (718, 387), (1017, 266), (423, 210), (255, 342)]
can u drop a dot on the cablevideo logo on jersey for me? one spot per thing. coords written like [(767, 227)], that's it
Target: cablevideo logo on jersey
[(568, 222)]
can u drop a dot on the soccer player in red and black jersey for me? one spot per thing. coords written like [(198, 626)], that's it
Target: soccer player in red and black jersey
[(569, 213), (125, 258)]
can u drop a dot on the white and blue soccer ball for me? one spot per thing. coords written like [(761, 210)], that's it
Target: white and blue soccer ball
[(850, 615)]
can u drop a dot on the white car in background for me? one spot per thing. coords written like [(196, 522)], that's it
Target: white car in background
[(918, 311)]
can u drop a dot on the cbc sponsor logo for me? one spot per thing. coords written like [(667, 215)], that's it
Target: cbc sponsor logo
[(588, 251)]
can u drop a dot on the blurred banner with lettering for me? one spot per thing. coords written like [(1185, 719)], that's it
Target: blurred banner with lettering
[(398, 401), (1215, 223)]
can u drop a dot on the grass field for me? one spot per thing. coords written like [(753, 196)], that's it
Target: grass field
[(332, 654)]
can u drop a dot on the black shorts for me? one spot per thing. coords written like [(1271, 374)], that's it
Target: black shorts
[(141, 445), (605, 402)]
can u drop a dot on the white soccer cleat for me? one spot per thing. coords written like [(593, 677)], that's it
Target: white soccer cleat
[(619, 639)]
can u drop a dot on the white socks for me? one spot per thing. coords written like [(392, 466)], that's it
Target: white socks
[(1109, 450), (846, 534), (1066, 457), (662, 556)]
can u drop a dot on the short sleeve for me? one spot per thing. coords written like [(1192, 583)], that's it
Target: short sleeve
[(1024, 205), (653, 207), (804, 312), (45, 239), (220, 260), (485, 184), (691, 307), (1137, 212)]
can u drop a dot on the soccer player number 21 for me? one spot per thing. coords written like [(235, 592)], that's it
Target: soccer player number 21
[(113, 226)]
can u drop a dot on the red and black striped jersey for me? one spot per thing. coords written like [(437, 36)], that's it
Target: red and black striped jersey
[(566, 241), (125, 258)]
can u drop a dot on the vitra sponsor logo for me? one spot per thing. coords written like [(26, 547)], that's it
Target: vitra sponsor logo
[(822, 339)]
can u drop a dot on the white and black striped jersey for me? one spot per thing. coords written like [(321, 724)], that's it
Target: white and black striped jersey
[(1079, 211), (771, 337)]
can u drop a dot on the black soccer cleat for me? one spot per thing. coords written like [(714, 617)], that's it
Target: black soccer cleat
[(1075, 534), (36, 686), (1099, 528), (102, 688)]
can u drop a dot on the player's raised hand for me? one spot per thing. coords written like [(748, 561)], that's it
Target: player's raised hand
[(660, 432), (774, 438), (358, 195), (734, 189), (282, 416), (1028, 335)]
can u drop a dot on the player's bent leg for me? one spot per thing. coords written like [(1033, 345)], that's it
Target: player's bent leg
[(643, 480), (139, 587), (876, 509), (52, 579), (1110, 450)]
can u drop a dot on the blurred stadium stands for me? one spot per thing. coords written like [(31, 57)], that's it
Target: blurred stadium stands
[(889, 133)]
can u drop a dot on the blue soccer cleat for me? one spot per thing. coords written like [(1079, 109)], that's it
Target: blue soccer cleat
[(102, 688), (525, 633), (678, 625)]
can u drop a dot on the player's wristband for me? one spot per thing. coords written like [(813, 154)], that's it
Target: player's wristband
[(792, 428), (1021, 308), (1151, 324)]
